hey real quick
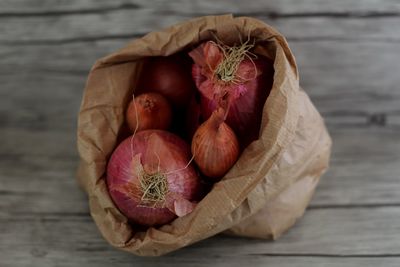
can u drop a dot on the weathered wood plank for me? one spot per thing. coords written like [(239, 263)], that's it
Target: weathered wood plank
[(329, 235), (354, 217), (37, 133), (364, 168), (40, 131), (128, 23), (40, 184), (279, 7), (40, 102), (356, 72), (364, 171), (88, 257)]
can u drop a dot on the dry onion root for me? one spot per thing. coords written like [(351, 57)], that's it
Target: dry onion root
[(227, 69)]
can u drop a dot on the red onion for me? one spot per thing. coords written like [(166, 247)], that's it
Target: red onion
[(169, 76), (150, 179), (243, 93)]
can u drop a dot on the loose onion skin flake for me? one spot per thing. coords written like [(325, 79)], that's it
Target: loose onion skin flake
[(150, 178)]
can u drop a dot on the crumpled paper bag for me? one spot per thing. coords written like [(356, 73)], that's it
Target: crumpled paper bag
[(265, 191)]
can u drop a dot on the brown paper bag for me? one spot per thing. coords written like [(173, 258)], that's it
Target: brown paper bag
[(269, 186)]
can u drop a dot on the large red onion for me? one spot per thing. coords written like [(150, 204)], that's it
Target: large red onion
[(244, 97), (149, 178)]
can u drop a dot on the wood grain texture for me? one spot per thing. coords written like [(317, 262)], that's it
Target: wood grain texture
[(322, 234), (41, 131), (348, 55), (360, 175), (31, 22), (361, 73), (84, 27), (278, 7)]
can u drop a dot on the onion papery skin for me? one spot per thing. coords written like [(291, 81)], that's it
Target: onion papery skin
[(153, 112), (215, 146), (153, 151), (245, 99)]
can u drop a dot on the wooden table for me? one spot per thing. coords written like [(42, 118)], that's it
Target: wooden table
[(348, 52)]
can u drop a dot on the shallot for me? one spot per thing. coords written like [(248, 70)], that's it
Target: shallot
[(215, 146)]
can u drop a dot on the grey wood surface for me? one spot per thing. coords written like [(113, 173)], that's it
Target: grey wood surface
[(348, 54)]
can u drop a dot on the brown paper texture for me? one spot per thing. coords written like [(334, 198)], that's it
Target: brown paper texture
[(261, 196)]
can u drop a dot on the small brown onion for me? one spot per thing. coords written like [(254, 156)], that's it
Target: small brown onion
[(215, 146), (153, 112)]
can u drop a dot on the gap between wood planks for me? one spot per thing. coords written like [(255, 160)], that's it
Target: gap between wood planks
[(340, 26), (395, 255), (326, 233), (52, 215), (57, 216), (139, 35), (268, 14)]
